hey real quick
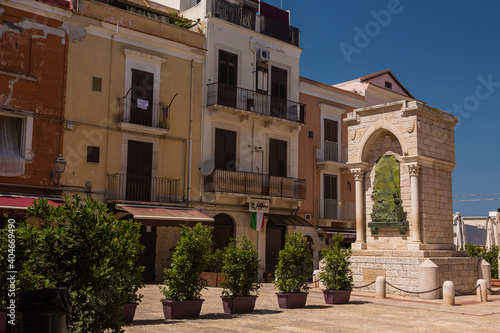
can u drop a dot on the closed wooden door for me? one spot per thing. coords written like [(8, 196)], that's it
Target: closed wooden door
[(148, 257), (279, 82), (228, 79), (141, 110), (139, 170)]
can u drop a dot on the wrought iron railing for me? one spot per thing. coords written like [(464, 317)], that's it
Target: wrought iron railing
[(278, 30), (329, 151), (145, 113), (249, 100), (230, 12), (336, 209), (123, 187), (255, 184)]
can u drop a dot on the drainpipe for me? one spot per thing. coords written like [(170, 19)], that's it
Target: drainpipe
[(190, 156), (254, 84)]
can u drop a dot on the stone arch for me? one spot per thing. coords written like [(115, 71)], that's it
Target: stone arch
[(378, 127)]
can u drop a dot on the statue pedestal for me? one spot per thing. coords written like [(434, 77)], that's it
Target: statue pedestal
[(401, 269)]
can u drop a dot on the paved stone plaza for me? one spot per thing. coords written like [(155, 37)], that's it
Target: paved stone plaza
[(364, 313)]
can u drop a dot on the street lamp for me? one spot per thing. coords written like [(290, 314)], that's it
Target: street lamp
[(59, 166)]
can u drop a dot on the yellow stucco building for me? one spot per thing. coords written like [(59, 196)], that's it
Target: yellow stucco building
[(132, 122)]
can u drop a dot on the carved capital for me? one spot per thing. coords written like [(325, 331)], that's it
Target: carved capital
[(414, 170), (359, 175)]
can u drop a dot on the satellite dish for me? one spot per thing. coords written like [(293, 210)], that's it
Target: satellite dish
[(207, 167)]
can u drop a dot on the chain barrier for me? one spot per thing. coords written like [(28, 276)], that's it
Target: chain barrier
[(495, 292), (468, 293), (414, 292), (366, 285)]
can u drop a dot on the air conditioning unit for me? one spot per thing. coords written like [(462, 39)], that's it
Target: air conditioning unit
[(263, 55)]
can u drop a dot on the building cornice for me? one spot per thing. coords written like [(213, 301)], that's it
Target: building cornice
[(146, 41), (329, 93)]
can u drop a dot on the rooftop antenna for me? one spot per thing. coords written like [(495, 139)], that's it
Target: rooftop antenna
[(281, 4)]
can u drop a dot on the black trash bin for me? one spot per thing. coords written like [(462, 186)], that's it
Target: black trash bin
[(45, 310)]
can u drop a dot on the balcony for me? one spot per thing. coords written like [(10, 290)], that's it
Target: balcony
[(278, 30), (254, 102), (333, 209), (250, 183), (151, 118), (123, 187), (230, 12), (329, 152)]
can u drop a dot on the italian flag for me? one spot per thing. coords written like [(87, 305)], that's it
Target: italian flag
[(257, 221)]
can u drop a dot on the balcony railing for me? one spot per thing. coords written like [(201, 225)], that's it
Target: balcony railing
[(230, 12), (145, 113), (123, 187), (252, 101), (278, 30), (336, 209), (255, 184), (329, 151)]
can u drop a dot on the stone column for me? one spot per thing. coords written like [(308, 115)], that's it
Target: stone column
[(415, 203), (359, 176)]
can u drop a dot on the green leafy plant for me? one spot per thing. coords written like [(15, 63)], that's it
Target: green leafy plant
[(336, 274), (294, 266), (183, 280), (241, 268), (82, 246), (179, 20), (215, 262), (488, 254)]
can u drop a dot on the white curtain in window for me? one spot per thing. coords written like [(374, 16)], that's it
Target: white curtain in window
[(11, 159)]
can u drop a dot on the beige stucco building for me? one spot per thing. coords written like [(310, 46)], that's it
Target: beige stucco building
[(132, 126)]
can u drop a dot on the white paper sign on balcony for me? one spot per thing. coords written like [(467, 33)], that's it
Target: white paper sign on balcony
[(259, 206), (142, 104)]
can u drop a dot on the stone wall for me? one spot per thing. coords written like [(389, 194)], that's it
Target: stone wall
[(403, 272)]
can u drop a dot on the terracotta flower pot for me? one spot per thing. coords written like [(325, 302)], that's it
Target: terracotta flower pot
[(182, 309), (238, 304), (129, 312), (211, 278), (337, 296), (292, 300)]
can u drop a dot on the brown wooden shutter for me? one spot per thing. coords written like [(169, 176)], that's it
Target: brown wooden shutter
[(277, 158)]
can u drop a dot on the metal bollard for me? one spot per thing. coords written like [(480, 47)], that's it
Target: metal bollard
[(482, 291), (448, 293), (380, 288)]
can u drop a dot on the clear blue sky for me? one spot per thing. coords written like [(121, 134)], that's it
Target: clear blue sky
[(442, 51)]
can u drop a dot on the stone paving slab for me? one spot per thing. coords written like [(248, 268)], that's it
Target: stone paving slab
[(364, 313)]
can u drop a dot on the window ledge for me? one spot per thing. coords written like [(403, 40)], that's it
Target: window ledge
[(22, 76)]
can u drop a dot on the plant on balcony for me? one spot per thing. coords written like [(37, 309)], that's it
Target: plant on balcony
[(179, 20), (292, 272), (183, 282), (335, 273), (241, 276)]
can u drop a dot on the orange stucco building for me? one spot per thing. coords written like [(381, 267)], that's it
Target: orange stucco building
[(322, 160)]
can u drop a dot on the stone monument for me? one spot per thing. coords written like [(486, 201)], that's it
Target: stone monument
[(402, 155)]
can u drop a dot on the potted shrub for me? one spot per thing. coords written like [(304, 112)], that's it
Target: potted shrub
[(335, 273), (183, 282), (292, 272), (131, 294), (240, 270)]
